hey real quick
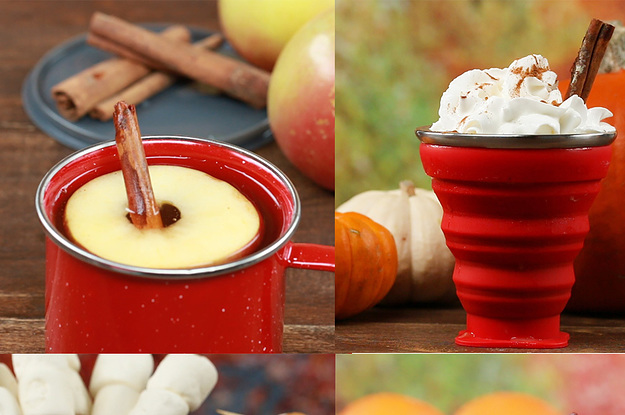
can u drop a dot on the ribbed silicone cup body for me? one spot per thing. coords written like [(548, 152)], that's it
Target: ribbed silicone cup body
[(515, 219)]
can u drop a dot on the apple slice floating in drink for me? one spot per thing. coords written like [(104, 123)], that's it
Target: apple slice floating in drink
[(161, 216)]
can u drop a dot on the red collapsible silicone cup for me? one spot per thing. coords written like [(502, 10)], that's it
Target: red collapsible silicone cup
[(94, 305), (515, 217)]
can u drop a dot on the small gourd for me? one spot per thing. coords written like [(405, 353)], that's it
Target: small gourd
[(366, 263), (413, 216)]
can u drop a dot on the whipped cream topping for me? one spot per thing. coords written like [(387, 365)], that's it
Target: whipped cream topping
[(520, 99)]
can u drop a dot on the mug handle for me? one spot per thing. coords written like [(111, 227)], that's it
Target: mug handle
[(309, 256)]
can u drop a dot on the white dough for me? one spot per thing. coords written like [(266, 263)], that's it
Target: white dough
[(133, 370), (61, 361), (115, 400), (63, 367), (216, 220), (189, 375), (8, 403), (160, 402), (82, 399), (7, 380), (45, 390)]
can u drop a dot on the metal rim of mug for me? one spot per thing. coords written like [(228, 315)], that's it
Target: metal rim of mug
[(515, 141), (166, 273)]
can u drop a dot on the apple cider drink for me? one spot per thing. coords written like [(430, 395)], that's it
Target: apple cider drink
[(223, 296)]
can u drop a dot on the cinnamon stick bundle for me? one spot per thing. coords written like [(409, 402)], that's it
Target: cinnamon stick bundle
[(148, 86), (144, 211), (106, 45), (586, 65), (77, 95), (235, 78)]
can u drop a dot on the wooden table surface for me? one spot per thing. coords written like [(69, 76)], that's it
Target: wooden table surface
[(432, 330), (28, 29)]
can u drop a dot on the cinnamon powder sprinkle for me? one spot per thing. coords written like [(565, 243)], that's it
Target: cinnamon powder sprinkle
[(533, 71), (491, 77)]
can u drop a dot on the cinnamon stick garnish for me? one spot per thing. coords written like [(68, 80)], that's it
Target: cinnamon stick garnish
[(144, 212), (147, 86), (235, 78), (586, 65), (79, 93)]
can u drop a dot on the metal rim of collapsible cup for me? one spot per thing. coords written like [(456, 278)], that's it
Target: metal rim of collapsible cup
[(510, 141)]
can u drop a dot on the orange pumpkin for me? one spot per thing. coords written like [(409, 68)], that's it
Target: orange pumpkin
[(509, 403), (600, 266), (387, 403), (366, 263)]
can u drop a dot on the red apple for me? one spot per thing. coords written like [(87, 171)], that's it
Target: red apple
[(259, 29), (301, 100)]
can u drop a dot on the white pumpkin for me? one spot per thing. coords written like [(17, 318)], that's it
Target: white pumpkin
[(413, 216)]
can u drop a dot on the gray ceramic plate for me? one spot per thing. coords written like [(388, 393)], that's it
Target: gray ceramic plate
[(181, 109)]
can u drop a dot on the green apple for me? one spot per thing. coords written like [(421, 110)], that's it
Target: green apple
[(300, 101), (259, 29), (216, 221)]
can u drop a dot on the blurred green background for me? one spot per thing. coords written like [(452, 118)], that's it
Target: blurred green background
[(588, 384), (394, 59)]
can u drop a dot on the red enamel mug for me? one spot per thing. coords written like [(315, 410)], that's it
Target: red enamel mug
[(515, 215), (94, 305)]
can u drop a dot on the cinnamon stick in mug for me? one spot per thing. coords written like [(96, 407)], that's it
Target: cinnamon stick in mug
[(147, 86), (78, 94), (142, 206), (237, 79)]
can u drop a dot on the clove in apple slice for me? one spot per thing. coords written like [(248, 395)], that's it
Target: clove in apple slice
[(143, 209)]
